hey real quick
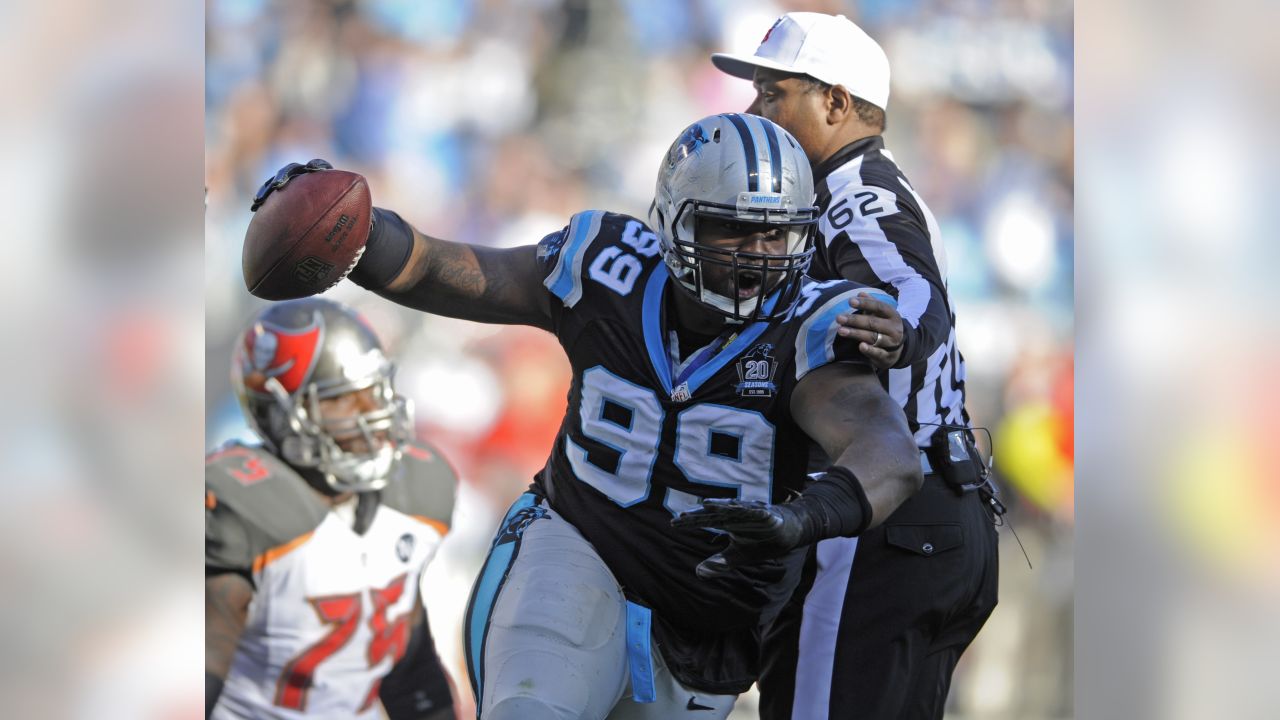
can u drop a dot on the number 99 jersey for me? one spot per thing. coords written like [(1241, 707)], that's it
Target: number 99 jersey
[(646, 436)]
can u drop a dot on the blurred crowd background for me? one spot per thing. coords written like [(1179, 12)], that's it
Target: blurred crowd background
[(492, 121), (111, 135)]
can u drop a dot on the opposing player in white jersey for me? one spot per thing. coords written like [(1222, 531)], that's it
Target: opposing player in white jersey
[(703, 363), (315, 541)]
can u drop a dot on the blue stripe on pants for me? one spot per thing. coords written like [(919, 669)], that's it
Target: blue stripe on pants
[(506, 545)]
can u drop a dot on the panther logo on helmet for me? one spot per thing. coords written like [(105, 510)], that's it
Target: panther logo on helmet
[(689, 143), (274, 352)]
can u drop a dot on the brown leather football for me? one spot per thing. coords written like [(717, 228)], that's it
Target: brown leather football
[(307, 235)]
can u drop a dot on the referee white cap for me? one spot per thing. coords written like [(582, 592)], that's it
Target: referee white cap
[(829, 48)]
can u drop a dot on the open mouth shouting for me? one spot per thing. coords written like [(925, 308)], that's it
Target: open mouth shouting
[(749, 282)]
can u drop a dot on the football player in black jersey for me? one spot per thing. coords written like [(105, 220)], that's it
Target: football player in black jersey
[(667, 525), (315, 541)]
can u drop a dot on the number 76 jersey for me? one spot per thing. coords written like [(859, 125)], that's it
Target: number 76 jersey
[(646, 437), (332, 609)]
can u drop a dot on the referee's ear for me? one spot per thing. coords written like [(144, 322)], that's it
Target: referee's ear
[(839, 105)]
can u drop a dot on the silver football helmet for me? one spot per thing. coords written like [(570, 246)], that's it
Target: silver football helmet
[(740, 170), (296, 354)]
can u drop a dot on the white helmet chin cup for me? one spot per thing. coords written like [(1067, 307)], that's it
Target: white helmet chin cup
[(342, 471), (316, 445), (348, 472), (742, 169)]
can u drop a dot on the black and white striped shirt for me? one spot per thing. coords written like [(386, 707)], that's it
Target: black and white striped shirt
[(875, 229)]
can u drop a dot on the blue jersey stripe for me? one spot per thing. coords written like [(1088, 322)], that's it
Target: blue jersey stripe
[(740, 343), (565, 282), (815, 343), (749, 147), (817, 335), (744, 339), (651, 320)]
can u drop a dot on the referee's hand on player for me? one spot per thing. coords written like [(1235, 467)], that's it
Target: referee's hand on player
[(877, 327)]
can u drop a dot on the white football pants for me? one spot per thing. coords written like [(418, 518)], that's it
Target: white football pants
[(547, 633)]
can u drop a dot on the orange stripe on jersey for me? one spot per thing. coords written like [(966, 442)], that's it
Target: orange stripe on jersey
[(210, 500), (417, 452), (279, 551), (439, 526)]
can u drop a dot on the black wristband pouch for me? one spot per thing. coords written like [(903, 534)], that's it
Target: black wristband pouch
[(958, 461)]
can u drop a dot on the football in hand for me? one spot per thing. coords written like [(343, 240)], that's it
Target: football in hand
[(307, 235)]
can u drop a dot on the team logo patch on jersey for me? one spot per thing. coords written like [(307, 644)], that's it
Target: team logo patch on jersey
[(755, 372), (549, 246), (404, 547), (518, 523)]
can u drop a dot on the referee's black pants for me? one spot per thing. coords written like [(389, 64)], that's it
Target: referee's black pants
[(878, 622)]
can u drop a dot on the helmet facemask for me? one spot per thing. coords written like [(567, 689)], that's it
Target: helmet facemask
[(309, 440), (775, 279)]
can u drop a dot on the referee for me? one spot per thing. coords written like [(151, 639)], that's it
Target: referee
[(880, 620)]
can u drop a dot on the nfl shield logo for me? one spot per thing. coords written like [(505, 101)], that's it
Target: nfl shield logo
[(312, 270), (680, 394)]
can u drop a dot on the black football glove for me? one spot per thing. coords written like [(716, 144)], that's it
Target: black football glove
[(282, 178), (757, 531)]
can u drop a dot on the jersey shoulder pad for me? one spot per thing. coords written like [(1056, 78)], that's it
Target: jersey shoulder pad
[(254, 503), (610, 248), (425, 486), (819, 303)]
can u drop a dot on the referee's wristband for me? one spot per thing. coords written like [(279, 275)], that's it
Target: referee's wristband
[(385, 253), (833, 505)]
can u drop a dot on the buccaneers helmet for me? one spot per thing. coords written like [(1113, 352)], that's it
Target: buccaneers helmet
[(296, 354)]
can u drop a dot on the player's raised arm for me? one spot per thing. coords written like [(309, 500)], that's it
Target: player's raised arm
[(309, 232), (446, 278)]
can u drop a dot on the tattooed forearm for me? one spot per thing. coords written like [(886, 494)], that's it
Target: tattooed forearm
[(226, 608), (457, 268), (472, 283)]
